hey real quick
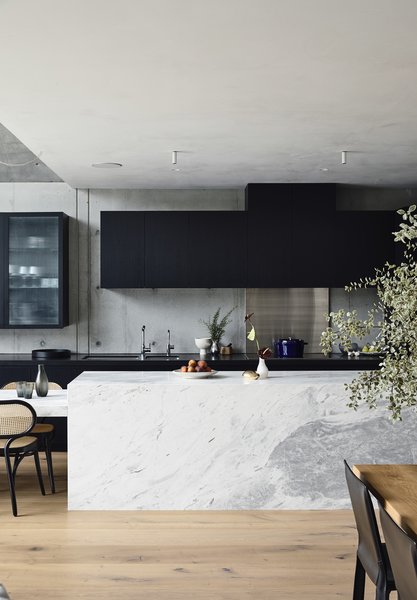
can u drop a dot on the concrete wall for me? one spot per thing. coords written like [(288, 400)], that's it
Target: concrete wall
[(110, 320), (118, 315)]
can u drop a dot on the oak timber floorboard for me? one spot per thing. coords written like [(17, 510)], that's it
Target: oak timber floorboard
[(48, 553)]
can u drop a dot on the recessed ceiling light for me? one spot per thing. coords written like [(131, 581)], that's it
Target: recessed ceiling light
[(176, 170), (324, 169), (107, 165)]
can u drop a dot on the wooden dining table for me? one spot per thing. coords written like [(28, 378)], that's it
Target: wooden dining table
[(395, 487)]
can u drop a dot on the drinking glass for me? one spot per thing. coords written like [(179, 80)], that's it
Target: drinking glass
[(28, 390), (20, 388)]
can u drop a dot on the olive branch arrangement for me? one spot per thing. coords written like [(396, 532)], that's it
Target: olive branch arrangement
[(216, 326), (396, 287)]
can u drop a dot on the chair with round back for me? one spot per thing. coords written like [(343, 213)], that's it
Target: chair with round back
[(371, 556), (17, 419), (402, 551), (45, 432)]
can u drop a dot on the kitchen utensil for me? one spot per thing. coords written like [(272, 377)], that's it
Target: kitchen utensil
[(51, 353), (226, 349), (290, 348)]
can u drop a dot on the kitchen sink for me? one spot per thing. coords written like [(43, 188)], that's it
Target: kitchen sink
[(161, 357), (129, 357)]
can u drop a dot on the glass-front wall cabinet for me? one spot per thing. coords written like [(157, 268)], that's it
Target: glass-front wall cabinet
[(36, 270)]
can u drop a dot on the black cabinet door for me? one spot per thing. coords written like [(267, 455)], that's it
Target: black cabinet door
[(166, 249), (217, 249), (364, 242), (313, 209), (122, 257), (269, 235)]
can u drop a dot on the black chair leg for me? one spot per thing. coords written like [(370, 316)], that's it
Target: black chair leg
[(382, 593), (359, 582), (48, 457), (39, 472), (10, 478)]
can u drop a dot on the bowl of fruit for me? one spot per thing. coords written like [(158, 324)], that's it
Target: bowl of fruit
[(195, 370), (370, 350)]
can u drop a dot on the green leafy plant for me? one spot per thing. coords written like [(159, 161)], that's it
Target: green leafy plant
[(216, 326), (396, 286), (251, 335)]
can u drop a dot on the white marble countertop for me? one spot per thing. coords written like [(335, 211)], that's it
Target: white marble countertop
[(221, 377), (155, 440)]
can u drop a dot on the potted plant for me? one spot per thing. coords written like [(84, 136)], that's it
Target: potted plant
[(396, 287), (216, 327)]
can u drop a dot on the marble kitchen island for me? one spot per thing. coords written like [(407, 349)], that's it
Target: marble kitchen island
[(153, 440)]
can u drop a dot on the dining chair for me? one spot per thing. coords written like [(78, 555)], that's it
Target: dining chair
[(45, 432), (371, 555), (17, 419), (402, 551)]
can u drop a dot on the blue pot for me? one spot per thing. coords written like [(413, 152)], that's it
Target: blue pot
[(290, 348)]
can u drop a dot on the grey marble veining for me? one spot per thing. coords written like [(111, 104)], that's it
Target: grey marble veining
[(152, 440)]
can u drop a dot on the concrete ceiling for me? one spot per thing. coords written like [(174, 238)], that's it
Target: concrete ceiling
[(18, 163), (245, 90)]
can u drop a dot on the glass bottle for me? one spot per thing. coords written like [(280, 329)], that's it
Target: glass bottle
[(41, 384)]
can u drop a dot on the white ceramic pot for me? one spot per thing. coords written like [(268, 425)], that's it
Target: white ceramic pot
[(262, 369), (203, 344)]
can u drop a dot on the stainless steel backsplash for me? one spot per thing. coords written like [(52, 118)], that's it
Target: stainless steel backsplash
[(285, 312)]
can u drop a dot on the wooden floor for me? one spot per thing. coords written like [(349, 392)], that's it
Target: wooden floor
[(47, 553)]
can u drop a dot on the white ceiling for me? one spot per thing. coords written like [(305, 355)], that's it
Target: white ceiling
[(246, 90)]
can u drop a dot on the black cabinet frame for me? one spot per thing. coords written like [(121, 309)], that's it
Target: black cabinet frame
[(63, 270)]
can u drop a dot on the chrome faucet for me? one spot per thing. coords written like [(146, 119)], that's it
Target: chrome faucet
[(144, 349), (169, 345)]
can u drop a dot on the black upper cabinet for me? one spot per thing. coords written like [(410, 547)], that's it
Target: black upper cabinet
[(313, 208), (217, 249), (290, 226), (173, 249), (166, 249), (363, 242), (122, 249), (310, 243), (34, 270), (291, 235), (269, 234)]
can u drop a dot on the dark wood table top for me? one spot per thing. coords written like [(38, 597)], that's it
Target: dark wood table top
[(395, 487)]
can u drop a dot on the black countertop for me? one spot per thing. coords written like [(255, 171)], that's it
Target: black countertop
[(235, 362)]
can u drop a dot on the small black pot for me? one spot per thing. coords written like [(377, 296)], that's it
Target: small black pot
[(290, 348)]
